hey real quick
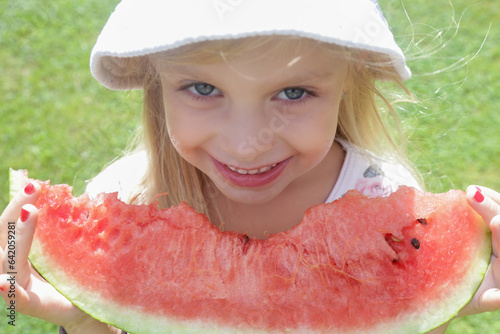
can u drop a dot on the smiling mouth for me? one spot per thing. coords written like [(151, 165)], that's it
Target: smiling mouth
[(251, 171), (251, 178)]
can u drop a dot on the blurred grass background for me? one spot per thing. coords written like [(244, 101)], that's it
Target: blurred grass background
[(59, 123)]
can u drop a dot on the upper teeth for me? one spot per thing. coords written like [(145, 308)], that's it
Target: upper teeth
[(252, 171)]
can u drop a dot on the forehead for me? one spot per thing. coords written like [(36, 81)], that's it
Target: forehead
[(260, 54)]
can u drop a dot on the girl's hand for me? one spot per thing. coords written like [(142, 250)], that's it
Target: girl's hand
[(21, 286), (487, 203)]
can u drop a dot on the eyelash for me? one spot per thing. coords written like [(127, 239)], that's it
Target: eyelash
[(196, 97), (308, 94)]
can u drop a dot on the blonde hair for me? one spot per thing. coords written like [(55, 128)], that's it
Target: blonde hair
[(361, 121)]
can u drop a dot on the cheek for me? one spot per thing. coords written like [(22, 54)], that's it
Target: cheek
[(175, 142), (185, 137), (314, 133), (185, 130)]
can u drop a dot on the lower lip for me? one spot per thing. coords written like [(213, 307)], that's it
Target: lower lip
[(251, 180)]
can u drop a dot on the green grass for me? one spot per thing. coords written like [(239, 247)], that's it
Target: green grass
[(454, 129), (59, 123)]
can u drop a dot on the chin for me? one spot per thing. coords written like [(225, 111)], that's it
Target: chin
[(250, 196)]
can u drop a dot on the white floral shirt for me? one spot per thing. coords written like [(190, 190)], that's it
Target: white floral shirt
[(369, 174)]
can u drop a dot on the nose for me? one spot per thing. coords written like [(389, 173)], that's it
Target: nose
[(247, 133)]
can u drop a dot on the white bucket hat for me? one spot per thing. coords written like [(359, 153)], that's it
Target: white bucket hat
[(140, 27)]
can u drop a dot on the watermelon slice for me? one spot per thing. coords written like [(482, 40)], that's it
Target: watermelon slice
[(401, 264)]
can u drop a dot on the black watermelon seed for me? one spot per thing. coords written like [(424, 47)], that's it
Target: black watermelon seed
[(415, 243), (246, 239), (422, 221)]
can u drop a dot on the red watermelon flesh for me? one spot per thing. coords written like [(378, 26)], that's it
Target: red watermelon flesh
[(404, 263)]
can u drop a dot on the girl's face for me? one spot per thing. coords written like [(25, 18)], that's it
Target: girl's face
[(258, 124)]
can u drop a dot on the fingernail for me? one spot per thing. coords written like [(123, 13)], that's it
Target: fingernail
[(29, 189), (479, 197), (25, 214)]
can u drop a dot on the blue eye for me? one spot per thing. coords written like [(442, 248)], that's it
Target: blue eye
[(203, 89), (292, 93)]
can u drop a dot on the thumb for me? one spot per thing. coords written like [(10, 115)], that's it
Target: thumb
[(489, 300)]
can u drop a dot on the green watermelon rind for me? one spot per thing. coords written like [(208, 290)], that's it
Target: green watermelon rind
[(130, 318), (127, 318), (133, 320), (449, 309), (17, 181)]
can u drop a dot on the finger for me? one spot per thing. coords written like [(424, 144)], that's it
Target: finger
[(495, 235), (8, 291), (494, 195), (10, 215), (480, 201), (26, 226), (39, 299), (15, 255), (25, 230), (23, 300), (490, 299)]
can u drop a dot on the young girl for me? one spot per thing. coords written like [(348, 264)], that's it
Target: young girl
[(253, 112)]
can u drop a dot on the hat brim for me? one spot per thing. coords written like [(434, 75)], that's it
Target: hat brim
[(138, 28)]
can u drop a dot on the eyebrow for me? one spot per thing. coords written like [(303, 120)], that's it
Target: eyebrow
[(310, 76), (279, 79)]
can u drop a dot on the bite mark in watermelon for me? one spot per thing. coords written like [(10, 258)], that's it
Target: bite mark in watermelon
[(401, 264)]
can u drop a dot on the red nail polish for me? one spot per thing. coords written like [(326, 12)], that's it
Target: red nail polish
[(479, 197), (29, 189), (25, 214)]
